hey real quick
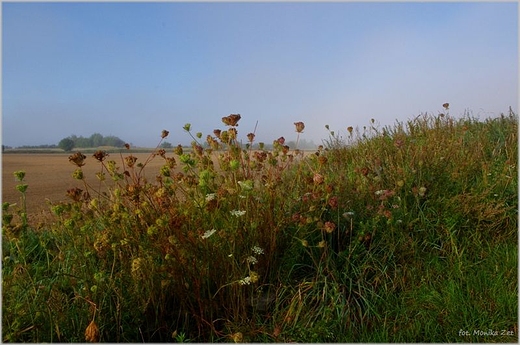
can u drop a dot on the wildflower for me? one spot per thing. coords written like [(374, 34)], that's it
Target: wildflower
[(208, 233), (100, 155), (245, 281), (253, 276), (231, 120), (300, 126), (258, 250), (238, 213), (232, 133), (187, 127), (164, 133), (178, 150), (78, 158), (399, 143), (210, 196), (380, 192), (422, 191), (237, 337), (92, 333), (318, 178), (251, 260), (322, 160), (74, 193), (322, 244), (329, 227), (333, 202), (160, 152), (130, 160)]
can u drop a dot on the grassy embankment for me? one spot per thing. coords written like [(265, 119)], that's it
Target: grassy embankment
[(401, 234)]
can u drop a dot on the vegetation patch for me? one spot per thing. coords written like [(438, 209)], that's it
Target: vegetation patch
[(398, 234)]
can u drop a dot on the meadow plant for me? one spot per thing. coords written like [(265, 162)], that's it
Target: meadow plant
[(234, 242)]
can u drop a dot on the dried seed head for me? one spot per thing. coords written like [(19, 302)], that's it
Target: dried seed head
[(92, 333), (281, 140), (217, 132), (161, 152), (127, 146), (318, 178), (350, 129), (231, 120), (78, 158), (329, 227), (164, 133), (232, 133), (300, 126), (237, 337), (130, 160), (446, 106), (250, 137), (74, 193), (101, 155)]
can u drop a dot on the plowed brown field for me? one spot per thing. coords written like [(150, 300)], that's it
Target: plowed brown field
[(50, 175)]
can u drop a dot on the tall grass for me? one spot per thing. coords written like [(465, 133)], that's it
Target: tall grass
[(398, 234)]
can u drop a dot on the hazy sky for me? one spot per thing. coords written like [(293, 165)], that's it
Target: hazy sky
[(133, 69)]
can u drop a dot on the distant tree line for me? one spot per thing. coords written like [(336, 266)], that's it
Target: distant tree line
[(95, 140)]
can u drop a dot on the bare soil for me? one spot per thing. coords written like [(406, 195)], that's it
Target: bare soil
[(49, 176)]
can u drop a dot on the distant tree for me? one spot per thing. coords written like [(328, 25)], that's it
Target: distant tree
[(166, 145), (96, 140), (113, 141), (83, 142), (66, 144)]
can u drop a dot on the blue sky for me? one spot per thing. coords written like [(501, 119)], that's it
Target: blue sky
[(133, 69)]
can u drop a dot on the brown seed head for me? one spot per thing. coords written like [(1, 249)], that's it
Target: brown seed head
[(78, 158), (100, 155), (232, 133), (281, 140), (92, 333), (300, 126), (446, 106), (74, 193), (164, 133), (217, 132), (329, 227), (318, 178), (130, 160), (350, 129), (231, 120), (127, 146), (250, 137)]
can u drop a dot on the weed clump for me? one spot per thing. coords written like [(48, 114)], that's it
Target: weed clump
[(237, 242)]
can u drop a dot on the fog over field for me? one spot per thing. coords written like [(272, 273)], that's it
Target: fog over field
[(133, 69)]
